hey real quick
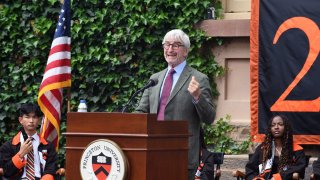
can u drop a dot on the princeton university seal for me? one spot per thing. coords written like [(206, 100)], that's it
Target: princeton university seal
[(103, 159)]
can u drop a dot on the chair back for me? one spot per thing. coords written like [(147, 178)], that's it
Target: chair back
[(218, 157)]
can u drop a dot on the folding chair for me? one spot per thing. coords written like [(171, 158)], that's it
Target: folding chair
[(218, 160)]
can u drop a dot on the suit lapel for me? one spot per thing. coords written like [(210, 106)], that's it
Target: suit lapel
[(184, 76)]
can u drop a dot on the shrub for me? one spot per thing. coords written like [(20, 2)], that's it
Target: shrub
[(217, 137)]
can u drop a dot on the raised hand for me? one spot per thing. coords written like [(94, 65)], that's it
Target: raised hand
[(25, 148), (194, 89)]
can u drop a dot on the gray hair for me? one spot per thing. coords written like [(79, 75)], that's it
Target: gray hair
[(178, 35)]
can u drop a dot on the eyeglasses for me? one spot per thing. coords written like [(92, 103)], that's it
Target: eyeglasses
[(166, 46)]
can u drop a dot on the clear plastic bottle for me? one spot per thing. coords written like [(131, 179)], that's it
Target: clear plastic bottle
[(82, 106)]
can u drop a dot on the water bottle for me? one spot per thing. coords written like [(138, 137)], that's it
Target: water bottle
[(82, 106), (210, 13)]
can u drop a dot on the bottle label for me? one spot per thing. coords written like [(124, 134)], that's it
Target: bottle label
[(82, 110)]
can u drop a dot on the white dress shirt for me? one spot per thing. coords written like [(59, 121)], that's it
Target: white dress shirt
[(35, 144), (176, 75)]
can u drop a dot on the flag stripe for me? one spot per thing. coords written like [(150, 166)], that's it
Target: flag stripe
[(53, 79), (50, 110), (58, 56), (51, 133), (57, 71), (54, 98), (62, 62), (49, 128), (61, 40), (54, 86), (60, 48), (44, 125)]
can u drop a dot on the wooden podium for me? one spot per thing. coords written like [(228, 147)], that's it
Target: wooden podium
[(154, 149)]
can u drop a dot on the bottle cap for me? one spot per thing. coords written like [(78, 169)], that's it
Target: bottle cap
[(82, 101)]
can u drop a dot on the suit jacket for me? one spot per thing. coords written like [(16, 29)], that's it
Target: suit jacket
[(13, 166), (180, 106), (208, 167), (316, 168), (1, 164)]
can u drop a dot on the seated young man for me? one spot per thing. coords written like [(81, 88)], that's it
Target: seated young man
[(277, 157), (27, 155), (1, 169), (205, 170), (316, 168)]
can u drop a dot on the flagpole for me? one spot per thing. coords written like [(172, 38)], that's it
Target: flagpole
[(68, 99)]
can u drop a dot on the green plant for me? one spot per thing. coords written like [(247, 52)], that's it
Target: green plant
[(116, 46), (217, 137), (218, 9)]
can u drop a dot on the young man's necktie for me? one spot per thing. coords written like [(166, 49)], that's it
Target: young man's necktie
[(30, 164)]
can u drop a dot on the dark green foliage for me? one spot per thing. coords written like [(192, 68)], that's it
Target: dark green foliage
[(116, 46), (218, 138)]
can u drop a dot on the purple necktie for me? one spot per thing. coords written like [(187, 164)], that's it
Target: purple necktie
[(165, 94)]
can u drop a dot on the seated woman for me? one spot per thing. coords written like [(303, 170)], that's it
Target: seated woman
[(277, 157)]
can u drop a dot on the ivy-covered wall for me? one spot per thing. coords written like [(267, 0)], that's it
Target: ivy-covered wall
[(116, 46)]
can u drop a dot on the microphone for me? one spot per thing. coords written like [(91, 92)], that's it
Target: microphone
[(24, 134), (151, 83)]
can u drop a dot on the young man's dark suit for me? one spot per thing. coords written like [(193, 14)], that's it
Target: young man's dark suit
[(13, 166), (1, 168), (316, 168), (180, 106)]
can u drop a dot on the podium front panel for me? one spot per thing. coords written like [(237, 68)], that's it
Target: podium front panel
[(154, 149)]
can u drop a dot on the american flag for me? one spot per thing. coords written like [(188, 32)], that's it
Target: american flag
[(57, 75)]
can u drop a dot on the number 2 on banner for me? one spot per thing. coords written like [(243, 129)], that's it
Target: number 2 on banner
[(313, 34)]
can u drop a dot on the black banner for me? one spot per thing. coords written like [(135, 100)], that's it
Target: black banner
[(285, 66)]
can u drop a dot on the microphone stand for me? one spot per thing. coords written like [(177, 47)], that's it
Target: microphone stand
[(152, 82), (125, 107)]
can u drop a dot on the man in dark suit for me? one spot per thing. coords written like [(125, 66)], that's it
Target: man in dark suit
[(316, 168), (1, 169), (27, 155), (181, 94)]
